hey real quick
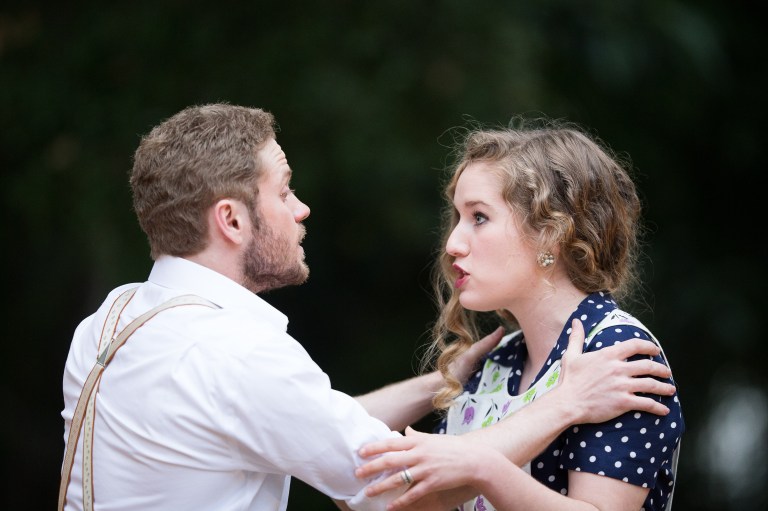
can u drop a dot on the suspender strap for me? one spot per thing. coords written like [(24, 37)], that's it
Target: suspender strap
[(84, 415)]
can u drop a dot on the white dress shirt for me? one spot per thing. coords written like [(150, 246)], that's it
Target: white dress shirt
[(212, 408)]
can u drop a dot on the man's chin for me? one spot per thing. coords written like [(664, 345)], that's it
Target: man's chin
[(296, 277)]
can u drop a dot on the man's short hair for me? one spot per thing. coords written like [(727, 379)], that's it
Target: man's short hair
[(188, 162)]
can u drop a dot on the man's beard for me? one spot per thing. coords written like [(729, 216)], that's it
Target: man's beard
[(271, 261)]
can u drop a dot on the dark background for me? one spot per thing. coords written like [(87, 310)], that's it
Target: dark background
[(364, 92)]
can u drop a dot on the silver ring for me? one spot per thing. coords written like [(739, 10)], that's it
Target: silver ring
[(405, 475)]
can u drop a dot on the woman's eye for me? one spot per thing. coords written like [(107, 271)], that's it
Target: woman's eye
[(480, 218)]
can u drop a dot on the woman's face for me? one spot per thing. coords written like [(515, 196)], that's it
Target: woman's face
[(495, 263)]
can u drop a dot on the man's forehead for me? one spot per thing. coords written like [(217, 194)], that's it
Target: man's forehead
[(275, 159)]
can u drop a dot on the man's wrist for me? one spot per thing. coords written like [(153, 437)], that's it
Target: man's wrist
[(569, 410)]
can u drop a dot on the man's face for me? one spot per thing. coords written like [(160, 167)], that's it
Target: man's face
[(274, 257)]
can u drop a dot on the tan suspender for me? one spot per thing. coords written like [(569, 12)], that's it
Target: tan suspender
[(84, 415)]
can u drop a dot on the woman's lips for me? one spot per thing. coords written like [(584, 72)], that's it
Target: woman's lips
[(462, 276)]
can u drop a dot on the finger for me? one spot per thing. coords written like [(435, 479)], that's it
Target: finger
[(386, 445), (488, 342), (412, 495), (410, 432), (647, 404), (631, 347), (381, 464), (648, 367), (389, 483), (575, 339), (651, 386)]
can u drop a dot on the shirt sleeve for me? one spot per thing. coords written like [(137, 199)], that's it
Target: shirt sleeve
[(633, 447), (284, 417)]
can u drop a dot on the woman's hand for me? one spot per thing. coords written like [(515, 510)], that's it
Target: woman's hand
[(434, 462)]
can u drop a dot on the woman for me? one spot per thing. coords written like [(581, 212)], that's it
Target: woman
[(543, 229)]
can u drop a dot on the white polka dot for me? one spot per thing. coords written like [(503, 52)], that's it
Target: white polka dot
[(673, 425), (598, 345), (556, 452), (653, 460), (661, 435), (563, 491), (632, 454), (648, 445), (618, 330), (550, 478), (664, 449), (626, 480), (599, 306), (617, 464), (577, 469), (607, 448), (639, 470), (601, 473), (570, 456), (618, 425), (592, 459), (540, 465), (637, 334), (624, 439), (598, 434), (575, 429), (583, 317), (645, 485), (583, 443), (642, 431), (637, 415), (657, 422), (568, 331)]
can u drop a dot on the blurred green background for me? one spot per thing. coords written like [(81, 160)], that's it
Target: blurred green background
[(364, 93)]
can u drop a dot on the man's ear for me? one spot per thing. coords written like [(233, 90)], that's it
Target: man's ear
[(230, 220)]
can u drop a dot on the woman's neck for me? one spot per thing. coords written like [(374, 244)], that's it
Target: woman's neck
[(542, 317)]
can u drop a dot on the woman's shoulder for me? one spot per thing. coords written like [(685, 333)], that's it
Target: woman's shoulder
[(617, 326)]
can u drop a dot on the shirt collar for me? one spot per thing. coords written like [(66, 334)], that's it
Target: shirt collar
[(189, 277), (590, 312)]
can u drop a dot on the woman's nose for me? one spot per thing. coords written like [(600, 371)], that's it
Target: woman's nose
[(456, 246)]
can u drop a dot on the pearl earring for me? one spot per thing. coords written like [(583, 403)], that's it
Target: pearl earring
[(545, 259)]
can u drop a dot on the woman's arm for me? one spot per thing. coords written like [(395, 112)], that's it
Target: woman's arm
[(441, 462)]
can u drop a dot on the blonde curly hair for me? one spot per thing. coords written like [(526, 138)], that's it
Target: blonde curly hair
[(571, 192)]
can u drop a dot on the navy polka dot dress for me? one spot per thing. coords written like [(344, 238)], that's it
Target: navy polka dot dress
[(636, 447)]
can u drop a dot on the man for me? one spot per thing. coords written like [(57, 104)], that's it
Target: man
[(210, 404)]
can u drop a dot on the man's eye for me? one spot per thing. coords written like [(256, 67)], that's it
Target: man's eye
[(286, 193)]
